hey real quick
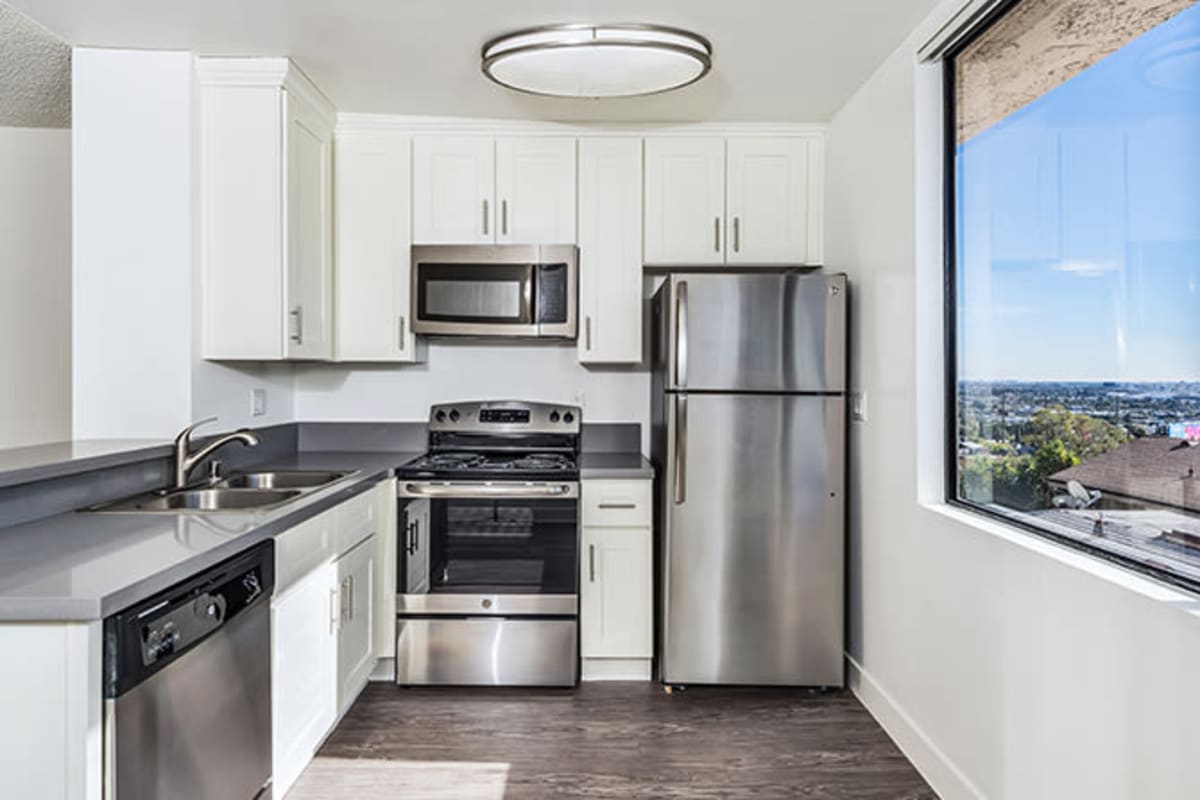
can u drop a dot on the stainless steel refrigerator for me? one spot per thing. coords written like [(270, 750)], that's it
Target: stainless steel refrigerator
[(748, 440)]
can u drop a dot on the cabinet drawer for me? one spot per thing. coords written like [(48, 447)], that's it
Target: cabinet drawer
[(617, 502), (357, 519), (302, 549)]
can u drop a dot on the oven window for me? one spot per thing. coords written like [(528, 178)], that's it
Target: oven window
[(465, 293), (512, 546)]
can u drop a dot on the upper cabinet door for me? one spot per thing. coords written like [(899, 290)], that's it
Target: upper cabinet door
[(685, 201), (767, 201), (453, 190), (610, 250), (373, 235), (309, 201), (535, 190)]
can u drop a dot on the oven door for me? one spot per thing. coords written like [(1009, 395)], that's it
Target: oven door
[(491, 549)]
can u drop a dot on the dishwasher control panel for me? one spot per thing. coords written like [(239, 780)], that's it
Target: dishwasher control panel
[(146, 637)]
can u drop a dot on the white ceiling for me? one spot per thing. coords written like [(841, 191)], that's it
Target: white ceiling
[(774, 60), (35, 74)]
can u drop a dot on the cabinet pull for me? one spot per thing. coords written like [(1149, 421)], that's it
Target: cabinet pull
[(504, 218), (485, 216), (618, 505), (297, 315), (401, 332), (737, 234), (333, 610), (587, 329), (717, 234), (591, 563)]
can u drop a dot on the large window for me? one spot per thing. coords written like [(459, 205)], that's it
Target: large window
[(1074, 259)]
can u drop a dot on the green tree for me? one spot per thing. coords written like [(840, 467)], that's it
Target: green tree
[(1081, 436)]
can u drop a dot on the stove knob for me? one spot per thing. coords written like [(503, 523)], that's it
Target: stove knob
[(454, 415), (554, 416), (440, 416), (568, 417)]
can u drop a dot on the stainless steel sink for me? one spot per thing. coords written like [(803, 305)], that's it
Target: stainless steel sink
[(204, 500), (294, 479)]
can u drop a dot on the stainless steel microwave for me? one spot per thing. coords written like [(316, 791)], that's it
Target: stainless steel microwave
[(495, 290)]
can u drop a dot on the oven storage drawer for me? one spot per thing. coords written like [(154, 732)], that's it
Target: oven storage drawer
[(487, 652)]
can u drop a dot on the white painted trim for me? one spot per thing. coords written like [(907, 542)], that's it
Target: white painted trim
[(272, 72), (354, 123), (615, 669), (942, 774), (385, 670)]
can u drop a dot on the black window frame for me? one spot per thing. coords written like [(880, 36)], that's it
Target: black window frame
[(950, 331)]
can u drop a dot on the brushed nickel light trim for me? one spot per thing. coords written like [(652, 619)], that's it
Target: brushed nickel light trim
[(636, 36)]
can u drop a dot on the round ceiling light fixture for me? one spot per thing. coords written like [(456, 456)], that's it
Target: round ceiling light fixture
[(597, 60)]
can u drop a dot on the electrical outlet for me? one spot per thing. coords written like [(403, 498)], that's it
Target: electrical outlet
[(258, 402), (858, 406)]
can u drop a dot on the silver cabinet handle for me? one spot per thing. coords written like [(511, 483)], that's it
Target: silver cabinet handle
[(485, 216), (737, 234), (618, 505), (297, 315), (681, 423), (402, 326), (591, 563), (488, 490), (587, 329), (717, 234), (504, 217), (333, 610), (681, 334)]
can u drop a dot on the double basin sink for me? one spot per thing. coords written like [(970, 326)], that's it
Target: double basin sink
[(239, 492)]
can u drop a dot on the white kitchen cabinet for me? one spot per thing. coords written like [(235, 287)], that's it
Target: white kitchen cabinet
[(304, 621), (741, 200), (685, 200), (373, 241), (266, 211), (356, 621), (454, 186), (610, 250), (616, 597), (385, 570), (767, 203), (535, 190)]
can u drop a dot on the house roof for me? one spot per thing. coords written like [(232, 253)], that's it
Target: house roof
[(1154, 468)]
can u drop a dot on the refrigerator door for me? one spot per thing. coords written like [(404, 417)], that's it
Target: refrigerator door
[(780, 332), (753, 543)]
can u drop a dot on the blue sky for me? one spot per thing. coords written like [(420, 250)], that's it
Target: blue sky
[(1079, 224)]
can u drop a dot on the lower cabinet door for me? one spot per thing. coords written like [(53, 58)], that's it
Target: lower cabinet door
[(616, 593), (303, 682), (356, 630)]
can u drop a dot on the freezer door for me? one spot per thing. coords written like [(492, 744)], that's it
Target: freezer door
[(753, 540), (782, 332)]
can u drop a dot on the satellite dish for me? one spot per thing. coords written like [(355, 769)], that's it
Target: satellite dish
[(1076, 490), (1076, 497)]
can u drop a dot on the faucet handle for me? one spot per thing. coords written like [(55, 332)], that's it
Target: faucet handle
[(186, 434)]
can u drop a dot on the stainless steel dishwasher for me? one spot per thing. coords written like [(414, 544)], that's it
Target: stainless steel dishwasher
[(187, 687)]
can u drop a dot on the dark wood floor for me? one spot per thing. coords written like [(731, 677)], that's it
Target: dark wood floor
[(608, 740)]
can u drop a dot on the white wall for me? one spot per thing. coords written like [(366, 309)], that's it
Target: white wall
[(1005, 666), (35, 285), (472, 372), (137, 372)]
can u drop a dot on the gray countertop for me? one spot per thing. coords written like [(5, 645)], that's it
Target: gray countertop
[(26, 464), (85, 566), (597, 466)]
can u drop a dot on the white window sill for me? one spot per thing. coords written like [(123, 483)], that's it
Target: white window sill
[(1127, 579)]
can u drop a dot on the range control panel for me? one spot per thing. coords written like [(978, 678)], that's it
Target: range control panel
[(505, 416)]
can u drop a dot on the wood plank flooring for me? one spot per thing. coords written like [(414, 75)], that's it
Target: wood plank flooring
[(608, 740)]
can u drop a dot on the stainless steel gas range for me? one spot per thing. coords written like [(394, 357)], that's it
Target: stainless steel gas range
[(488, 573)]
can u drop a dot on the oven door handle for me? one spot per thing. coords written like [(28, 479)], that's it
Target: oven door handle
[(489, 490)]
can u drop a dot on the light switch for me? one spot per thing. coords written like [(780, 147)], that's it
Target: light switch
[(258, 402), (858, 406)]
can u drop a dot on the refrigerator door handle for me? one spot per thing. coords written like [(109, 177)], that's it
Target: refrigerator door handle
[(681, 449), (681, 335)]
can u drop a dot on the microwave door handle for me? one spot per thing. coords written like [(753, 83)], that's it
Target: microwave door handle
[(534, 276)]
